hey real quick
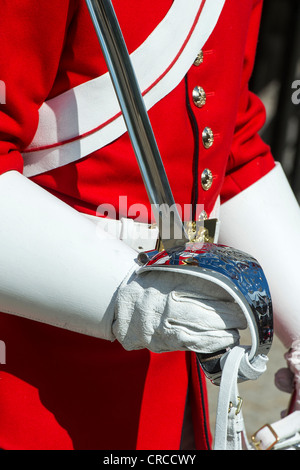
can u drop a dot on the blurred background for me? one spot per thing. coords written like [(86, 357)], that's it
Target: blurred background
[(277, 68), (276, 71)]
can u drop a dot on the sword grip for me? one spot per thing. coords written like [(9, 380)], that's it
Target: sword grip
[(211, 365)]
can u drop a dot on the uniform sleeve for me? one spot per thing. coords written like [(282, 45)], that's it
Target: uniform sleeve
[(32, 36), (250, 158)]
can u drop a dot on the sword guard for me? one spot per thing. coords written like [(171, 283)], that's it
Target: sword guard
[(239, 274)]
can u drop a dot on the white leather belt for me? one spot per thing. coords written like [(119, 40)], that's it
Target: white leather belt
[(141, 236), (284, 434)]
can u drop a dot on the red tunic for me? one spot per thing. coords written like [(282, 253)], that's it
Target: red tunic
[(61, 390)]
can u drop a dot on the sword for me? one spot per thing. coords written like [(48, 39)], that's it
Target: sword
[(137, 122), (237, 272)]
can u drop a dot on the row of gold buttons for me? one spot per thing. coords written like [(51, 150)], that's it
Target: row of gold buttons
[(199, 99)]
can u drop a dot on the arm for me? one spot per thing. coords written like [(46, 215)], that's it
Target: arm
[(260, 214), (32, 36)]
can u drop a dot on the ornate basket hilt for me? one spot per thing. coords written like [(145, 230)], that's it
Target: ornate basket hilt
[(237, 273)]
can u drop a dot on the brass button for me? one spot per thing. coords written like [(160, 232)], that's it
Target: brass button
[(199, 96), (206, 179), (207, 137), (199, 59)]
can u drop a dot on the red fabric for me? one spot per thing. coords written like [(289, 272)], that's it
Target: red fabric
[(61, 390), (249, 158), (55, 61), (200, 406)]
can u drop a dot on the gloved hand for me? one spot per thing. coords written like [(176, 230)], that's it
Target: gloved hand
[(167, 311), (288, 379)]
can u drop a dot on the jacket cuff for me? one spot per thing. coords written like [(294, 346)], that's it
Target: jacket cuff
[(57, 267)]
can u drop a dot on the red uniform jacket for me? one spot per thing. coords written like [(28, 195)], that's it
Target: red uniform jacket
[(61, 390)]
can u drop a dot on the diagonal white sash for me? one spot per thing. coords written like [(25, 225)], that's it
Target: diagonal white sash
[(88, 117)]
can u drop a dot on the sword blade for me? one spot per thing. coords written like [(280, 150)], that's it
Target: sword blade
[(138, 124)]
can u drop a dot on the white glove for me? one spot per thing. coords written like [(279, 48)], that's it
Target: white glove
[(164, 312)]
